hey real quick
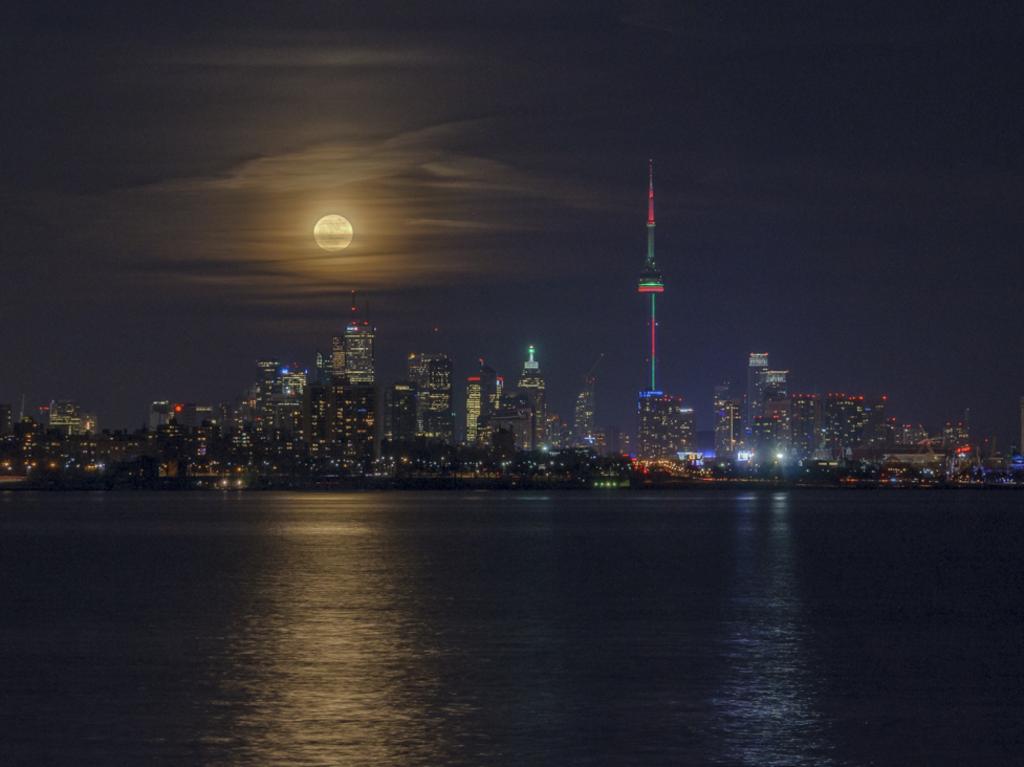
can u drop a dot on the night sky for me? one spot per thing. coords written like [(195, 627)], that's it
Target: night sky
[(842, 188)]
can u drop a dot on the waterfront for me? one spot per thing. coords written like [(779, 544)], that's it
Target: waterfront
[(697, 627)]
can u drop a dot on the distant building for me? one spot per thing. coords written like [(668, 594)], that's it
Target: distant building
[(483, 395), (844, 422), (666, 427), (400, 408), (67, 418), (757, 363), (583, 412), (805, 424), (6, 420), (515, 416), (728, 420), (432, 374), (531, 383), (354, 423), (879, 429)]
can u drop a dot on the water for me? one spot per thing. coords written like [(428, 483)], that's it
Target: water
[(766, 628)]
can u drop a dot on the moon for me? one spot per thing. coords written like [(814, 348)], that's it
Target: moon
[(333, 232)]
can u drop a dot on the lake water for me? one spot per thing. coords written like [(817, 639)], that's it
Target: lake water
[(673, 628)]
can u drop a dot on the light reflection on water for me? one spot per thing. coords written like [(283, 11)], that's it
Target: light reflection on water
[(486, 628), (767, 698)]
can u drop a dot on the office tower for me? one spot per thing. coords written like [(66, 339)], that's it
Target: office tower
[(316, 418), (773, 385), (583, 413), (266, 383), (728, 426), (432, 375), (65, 417), (400, 408), (483, 395), (666, 427), (843, 423), (756, 365), (353, 419), (358, 347), (531, 383), (559, 433), (6, 420), (878, 430), (287, 397), (804, 424), (160, 413), (514, 416), (322, 367)]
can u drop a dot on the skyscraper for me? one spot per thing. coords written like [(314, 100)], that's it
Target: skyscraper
[(728, 426), (666, 427), (435, 413), (583, 413), (483, 395), (400, 406), (756, 365), (6, 420), (531, 383), (804, 424)]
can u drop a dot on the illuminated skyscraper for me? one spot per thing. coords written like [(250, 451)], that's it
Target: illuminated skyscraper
[(583, 415), (756, 366), (844, 421), (483, 395), (435, 413), (804, 424), (666, 427), (728, 421), (531, 383), (400, 408)]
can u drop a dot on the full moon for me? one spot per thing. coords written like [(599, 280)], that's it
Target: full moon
[(333, 232)]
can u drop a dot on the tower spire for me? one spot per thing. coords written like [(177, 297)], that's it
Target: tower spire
[(650, 192)]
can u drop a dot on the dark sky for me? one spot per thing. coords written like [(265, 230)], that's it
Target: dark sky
[(838, 184)]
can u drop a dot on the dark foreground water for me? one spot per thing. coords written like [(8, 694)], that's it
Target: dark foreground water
[(513, 629)]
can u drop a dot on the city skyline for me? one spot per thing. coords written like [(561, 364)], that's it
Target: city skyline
[(867, 238)]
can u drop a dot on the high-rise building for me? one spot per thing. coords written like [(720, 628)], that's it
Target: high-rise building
[(666, 427), (354, 423), (359, 365), (728, 426), (67, 418), (400, 408), (531, 383), (773, 386), (843, 423), (432, 374), (583, 413), (515, 415), (6, 420), (483, 396), (317, 412), (804, 424), (756, 365), (879, 430)]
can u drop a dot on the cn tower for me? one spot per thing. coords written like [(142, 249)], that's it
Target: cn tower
[(650, 280)]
